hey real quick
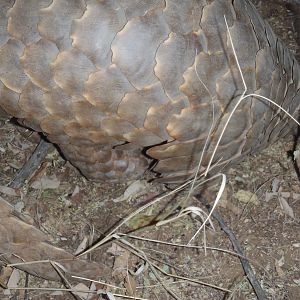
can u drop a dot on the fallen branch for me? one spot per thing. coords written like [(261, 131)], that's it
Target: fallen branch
[(31, 165)]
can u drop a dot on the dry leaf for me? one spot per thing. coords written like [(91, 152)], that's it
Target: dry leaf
[(130, 285), (115, 249), (5, 275), (278, 266), (296, 196), (140, 220), (134, 189), (269, 196), (45, 183), (8, 191), (76, 191), (95, 295), (2, 150), (285, 194), (275, 185), (57, 293), (297, 156), (286, 208), (19, 206), (110, 296), (12, 281), (297, 281), (77, 195), (224, 198), (120, 268), (13, 149), (81, 246), (246, 197), (224, 202), (40, 172), (81, 287), (142, 267)]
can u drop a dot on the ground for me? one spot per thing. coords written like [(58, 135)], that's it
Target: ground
[(73, 211)]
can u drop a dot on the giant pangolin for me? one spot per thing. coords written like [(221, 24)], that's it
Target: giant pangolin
[(121, 86)]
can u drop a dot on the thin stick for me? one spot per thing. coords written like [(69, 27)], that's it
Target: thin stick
[(143, 256), (31, 165), (237, 247)]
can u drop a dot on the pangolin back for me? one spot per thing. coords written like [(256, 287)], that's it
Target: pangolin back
[(124, 85)]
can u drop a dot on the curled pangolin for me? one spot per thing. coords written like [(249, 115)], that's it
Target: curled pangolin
[(121, 85)]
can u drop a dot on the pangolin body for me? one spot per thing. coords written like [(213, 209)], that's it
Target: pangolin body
[(121, 85)]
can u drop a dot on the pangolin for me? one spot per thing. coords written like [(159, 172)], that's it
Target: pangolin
[(123, 86)]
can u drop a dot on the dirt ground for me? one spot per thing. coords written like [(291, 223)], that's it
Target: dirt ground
[(74, 212)]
